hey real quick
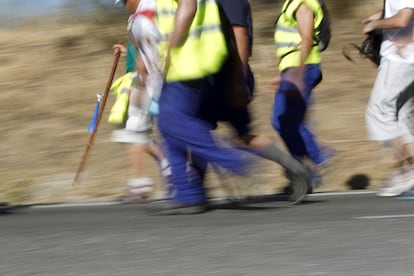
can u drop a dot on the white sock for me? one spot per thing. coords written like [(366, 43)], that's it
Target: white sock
[(140, 186), (165, 167)]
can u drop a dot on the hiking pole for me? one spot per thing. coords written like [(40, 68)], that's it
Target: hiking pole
[(98, 119)]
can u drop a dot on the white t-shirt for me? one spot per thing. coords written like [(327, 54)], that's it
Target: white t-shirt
[(144, 34), (398, 45)]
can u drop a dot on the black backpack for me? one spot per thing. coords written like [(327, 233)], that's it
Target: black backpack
[(324, 36)]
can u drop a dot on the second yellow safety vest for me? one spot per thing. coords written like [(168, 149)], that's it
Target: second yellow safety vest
[(287, 37)]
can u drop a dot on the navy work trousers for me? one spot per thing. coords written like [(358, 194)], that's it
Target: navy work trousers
[(185, 134), (289, 111)]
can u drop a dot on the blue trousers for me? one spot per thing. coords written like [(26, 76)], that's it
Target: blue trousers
[(216, 108), (185, 133), (288, 117)]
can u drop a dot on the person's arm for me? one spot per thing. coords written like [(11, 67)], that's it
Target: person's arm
[(238, 14), (373, 17), (183, 18), (119, 47), (400, 20), (304, 17), (241, 34)]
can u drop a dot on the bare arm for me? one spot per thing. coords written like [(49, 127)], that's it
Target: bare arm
[(242, 40), (373, 17), (295, 75), (183, 18), (305, 18), (401, 20)]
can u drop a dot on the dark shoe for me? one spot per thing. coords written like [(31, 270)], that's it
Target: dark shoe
[(299, 188), (300, 184), (169, 208), (4, 208)]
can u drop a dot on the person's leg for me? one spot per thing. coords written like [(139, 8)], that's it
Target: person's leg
[(288, 120), (314, 150), (139, 183), (263, 146), (157, 153), (179, 124), (186, 192), (392, 128), (287, 116), (181, 119)]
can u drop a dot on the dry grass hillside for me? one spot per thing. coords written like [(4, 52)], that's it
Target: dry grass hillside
[(52, 69)]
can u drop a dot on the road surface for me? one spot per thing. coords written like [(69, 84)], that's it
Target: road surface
[(332, 234)]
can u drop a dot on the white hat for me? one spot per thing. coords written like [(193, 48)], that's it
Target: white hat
[(117, 1)]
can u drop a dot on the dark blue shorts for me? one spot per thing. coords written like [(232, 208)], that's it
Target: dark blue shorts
[(215, 108)]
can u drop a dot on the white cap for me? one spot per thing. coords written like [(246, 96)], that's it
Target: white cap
[(117, 1)]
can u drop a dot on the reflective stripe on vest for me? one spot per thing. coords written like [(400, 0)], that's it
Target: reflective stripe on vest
[(204, 50), (287, 37)]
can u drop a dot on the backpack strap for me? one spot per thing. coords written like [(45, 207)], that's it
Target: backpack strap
[(283, 11)]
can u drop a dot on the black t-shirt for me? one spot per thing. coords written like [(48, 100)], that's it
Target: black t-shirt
[(239, 13)]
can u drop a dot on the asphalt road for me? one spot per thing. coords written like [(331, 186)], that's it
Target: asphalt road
[(356, 234)]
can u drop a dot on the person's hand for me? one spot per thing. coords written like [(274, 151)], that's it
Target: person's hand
[(373, 17), (121, 48), (368, 27), (370, 22)]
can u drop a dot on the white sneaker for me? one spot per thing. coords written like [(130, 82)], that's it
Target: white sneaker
[(398, 184)]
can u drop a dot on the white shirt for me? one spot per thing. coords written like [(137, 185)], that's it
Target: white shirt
[(144, 34), (398, 44)]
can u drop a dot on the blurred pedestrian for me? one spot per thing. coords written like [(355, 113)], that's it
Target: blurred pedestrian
[(143, 86), (388, 114), (299, 58), (194, 53), (238, 12)]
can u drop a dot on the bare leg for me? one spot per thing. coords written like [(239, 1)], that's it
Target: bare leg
[(140, 185)]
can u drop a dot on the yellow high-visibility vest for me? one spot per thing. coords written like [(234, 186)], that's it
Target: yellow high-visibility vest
[(204, 51), (287, 37), (120, 88)]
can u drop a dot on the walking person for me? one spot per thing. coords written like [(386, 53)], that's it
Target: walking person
[(141, 86), (238, 13), (186, 75), (133, 127), (299, 67), (192, 59), (388, 114)]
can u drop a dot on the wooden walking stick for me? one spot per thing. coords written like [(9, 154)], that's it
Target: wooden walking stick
[(101, 109)]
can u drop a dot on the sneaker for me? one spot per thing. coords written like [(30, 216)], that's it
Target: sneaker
[(132, 199), (398, 183), (409, 194), (139, 190), (165, 168), (300, 184), (299, 189)]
